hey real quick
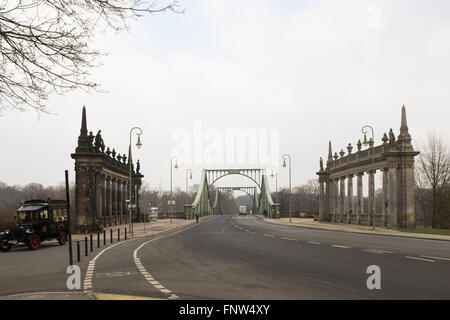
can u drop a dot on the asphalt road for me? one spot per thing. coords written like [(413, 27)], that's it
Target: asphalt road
[(242, 257)]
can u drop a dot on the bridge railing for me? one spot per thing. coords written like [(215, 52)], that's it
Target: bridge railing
[(299, 214)]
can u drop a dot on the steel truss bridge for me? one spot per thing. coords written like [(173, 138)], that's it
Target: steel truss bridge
[(260, 193)]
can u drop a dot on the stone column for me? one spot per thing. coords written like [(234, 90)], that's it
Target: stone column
[(114, 200), (99, 197), (349, 198), (336, 199), (392, 204), (104, 208), (360, 197), (385, 196), (330, 199), (327, 200), (406, 193), (371, 197), (125, 197), (342, 199), (119, 200), (322, 199), (108, 199), (138, 193)]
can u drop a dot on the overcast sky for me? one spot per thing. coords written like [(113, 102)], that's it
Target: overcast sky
[(298, 73)]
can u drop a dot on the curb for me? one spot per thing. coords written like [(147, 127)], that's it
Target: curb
[(202, 219), (53, 294), (408, 236)]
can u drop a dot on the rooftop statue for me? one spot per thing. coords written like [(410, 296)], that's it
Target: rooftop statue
[(99, 142)]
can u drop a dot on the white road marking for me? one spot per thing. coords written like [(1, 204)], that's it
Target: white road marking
[(146, 274), (313, 242), (289, 239), (340, 246), (437, 258), (378, 251), (87, 284), (421, 259), (268, 235), (373, 251)]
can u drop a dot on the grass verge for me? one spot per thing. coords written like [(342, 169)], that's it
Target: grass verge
[(444, 232)]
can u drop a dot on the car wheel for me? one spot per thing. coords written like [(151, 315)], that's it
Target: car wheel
[(5, 246), (62, 238), (34, 242)]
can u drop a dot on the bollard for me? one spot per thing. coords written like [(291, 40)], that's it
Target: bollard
[(111, 235), (104, 237), (85, 246), (118, 234), (98, 239), (91, 243), (78, 251), (125, 233)]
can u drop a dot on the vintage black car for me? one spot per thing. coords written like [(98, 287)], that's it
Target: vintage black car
[(37, 221)]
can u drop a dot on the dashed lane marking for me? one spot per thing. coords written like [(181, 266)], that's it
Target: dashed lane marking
[(87, 283), (146, 274), (290, 239), (378, 251), (421, 259), (268, 235), (313, 242), (437, 258), (340, 246)]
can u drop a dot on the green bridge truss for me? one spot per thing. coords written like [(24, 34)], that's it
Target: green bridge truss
[(260, 194), (250, 191)]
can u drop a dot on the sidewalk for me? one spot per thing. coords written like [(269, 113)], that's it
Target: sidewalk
[(343, 227), (139, 229)]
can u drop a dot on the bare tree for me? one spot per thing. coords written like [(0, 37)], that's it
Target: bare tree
[(433, 173), (44, 45)]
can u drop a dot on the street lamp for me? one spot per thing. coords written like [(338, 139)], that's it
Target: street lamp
[(371, 143), (187, 185), (190, 177), (276, 182), (171, 193), (277, 212), (290, 185), (138, 145)]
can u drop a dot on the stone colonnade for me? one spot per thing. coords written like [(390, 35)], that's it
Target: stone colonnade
[(102, 183), (338, 196), (394, 159), (111, 195)]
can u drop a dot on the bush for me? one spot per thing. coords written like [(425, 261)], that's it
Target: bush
[(7, 222)]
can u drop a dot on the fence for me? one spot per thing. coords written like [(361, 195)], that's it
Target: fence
[(299, 214)]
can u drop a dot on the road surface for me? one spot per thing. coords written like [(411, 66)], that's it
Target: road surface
[(242, 257)]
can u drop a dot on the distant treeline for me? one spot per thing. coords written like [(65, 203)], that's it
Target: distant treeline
[(11, 198), (304, 197)]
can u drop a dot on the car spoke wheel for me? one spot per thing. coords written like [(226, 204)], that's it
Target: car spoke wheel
[(34, 242), (5, 246), (62, 238)]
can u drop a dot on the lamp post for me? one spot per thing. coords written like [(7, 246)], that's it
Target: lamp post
[(277, 211), (130, 160), (187, 186), (171, 192), (371, 143), (276, 182), (290, 185), (190, 177)]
